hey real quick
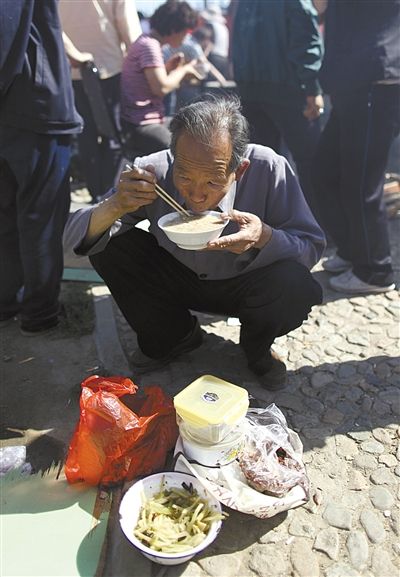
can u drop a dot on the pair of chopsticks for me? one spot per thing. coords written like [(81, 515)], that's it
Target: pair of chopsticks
[(167, 198)]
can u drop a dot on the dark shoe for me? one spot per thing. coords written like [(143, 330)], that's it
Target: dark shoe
[(43, 329), (142, 363), (271, 372), (36, 328), (348, 282)]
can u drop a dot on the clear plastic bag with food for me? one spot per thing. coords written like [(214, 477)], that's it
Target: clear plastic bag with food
[(271, 458)]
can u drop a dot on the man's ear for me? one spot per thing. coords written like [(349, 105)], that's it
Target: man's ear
[(245, 163)]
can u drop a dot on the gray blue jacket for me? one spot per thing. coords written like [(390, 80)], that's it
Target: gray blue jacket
[(277, 46), (268, 189)]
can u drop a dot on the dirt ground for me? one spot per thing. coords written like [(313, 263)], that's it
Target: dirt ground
[(40, 380)]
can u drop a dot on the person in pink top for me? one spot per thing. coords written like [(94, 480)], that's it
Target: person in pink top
[(146, 79)]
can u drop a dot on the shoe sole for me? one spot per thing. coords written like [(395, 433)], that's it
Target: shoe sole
[(336, 269), (361, 291)]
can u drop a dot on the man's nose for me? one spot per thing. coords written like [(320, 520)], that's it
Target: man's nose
[(196, 192)]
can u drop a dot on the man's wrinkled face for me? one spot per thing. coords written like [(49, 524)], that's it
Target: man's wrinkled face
[(201, 173)]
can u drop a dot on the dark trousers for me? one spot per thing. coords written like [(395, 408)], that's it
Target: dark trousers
[(155, 292), (144, 139), (100, 156), (34, 205), (274, 119), (349, 175)]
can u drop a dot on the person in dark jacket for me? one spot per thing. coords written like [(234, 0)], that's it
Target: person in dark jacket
[(277, 54), (37, 117), (361, 72)]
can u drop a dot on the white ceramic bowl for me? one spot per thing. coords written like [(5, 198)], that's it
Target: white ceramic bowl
[(192, 240), (131, 505)]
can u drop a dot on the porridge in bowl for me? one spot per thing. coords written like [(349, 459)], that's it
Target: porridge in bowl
[(196, 223), (194, 232)]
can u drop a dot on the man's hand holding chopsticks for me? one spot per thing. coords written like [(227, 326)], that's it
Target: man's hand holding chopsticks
[(134, 190)]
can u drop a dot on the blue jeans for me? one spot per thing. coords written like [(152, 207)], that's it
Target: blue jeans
[(34, 206)]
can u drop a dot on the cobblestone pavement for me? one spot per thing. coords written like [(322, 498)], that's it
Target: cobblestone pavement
[(343, 400)]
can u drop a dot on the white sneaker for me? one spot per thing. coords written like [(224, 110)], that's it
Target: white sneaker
[(335, 264), (348, 282)]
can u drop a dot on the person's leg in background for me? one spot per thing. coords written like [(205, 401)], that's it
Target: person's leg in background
[(40, 192), (369, 120), (263, 130), (301, 137), (326, 176)]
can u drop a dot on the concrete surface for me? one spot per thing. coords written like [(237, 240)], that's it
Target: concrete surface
[(342, 399)]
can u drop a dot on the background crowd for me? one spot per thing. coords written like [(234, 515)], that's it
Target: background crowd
[(318, 81)]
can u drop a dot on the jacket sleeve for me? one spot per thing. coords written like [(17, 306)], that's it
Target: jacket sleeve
[(296, 234), (305, 47)]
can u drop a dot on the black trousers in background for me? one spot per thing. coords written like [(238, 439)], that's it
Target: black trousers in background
[(349, 174), (34, 206), (155, 292), (280, 115)]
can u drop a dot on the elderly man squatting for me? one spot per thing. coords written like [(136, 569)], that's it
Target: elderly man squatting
[(258, 270)]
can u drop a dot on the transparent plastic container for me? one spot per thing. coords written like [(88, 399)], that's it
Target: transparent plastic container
[(210, 408)]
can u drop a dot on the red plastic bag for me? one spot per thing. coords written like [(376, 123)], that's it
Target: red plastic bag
[(112, 442)]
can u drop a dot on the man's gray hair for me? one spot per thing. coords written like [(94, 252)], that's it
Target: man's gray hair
[(210, 116)]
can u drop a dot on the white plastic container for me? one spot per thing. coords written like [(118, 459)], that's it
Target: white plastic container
[(216, 455), (211, 408)]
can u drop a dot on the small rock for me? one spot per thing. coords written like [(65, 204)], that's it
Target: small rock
[(395, 521), (382, 476), (332, 416), (357, 481), (341, 570), (388, 460), (372, 447), (345, 447), (301, 526), (357, 546), (320, 379), (373, 526), (303, 559), (381, 498), (358, 339), (382, 436), (365, 462), (359, 435), (266, 561), (327, 541), (337, 516), (382, 564)]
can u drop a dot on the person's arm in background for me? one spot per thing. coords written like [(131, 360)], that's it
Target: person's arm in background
[(75, 56), (126, 21), (305, 52)]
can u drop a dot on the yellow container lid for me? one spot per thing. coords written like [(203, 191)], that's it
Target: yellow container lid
[(211, 401)]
